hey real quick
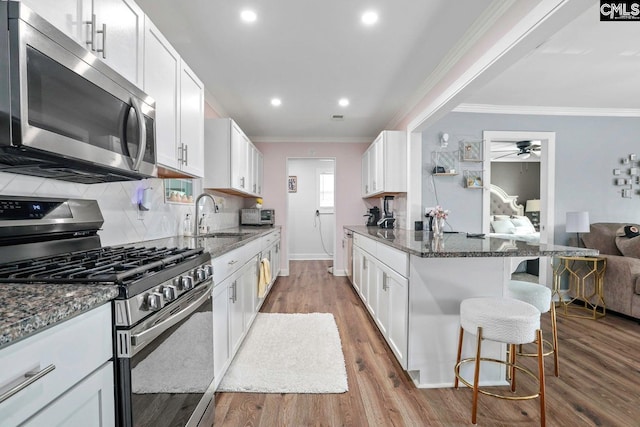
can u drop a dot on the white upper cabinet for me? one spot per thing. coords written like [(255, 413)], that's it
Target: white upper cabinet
[(384, 165), (162, 83), (118, 36), (112, 30), (234, 164), (179, 96), (191, 122)]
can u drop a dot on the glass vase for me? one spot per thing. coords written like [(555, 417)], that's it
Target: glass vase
[(438, 227)]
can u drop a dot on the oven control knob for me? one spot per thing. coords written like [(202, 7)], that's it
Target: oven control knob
[(169, 292), (209, 269), (187, 282), (201, 274), (155, 301)]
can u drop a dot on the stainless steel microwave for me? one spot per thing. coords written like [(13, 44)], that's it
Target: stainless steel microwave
[(256, 216), (64, 114)]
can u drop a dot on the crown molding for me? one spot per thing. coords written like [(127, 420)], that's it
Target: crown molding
[(311, 139), (547, 111), (475, 32)]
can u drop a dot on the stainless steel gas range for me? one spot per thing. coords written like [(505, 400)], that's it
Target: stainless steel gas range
[(163, 321)]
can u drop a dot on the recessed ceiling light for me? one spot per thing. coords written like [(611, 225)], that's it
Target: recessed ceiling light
[(343, 102), (370, 17), (276, 102), (248, 15)]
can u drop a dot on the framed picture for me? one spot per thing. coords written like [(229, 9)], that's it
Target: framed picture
[(474, 182), (293, 184), (471, 151)]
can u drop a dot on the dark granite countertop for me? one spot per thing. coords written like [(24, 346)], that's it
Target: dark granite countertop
[(458, 245), (27, 309)]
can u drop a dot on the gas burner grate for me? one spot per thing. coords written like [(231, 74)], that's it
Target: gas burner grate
[(118, 265)]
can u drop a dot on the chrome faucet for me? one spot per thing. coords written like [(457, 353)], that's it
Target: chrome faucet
[(197, 221)]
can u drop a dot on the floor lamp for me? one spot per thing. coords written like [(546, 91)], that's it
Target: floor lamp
[(577, 222)]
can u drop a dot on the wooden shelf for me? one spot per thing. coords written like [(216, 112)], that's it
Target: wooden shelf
[(445, 174)]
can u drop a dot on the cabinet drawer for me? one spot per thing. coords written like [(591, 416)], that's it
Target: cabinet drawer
[(270, 239), (365, 243), (75, 347), (226, 264), (394, 258)]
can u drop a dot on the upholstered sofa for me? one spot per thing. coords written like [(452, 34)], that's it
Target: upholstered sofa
[(622, 275)]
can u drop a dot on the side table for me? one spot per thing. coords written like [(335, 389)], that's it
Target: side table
[(585, 274)]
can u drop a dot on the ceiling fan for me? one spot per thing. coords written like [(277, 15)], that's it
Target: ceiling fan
[(522, 149)]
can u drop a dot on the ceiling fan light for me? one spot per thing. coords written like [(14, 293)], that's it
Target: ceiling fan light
[(524, 155)]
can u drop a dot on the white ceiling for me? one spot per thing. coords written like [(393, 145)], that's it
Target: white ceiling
[(311, 53), (588, 64)]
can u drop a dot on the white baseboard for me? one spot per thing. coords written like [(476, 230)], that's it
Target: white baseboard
[(284, 272), (340, 272), (309, 257)]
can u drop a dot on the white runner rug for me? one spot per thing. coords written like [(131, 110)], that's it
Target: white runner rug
[(289, 353)]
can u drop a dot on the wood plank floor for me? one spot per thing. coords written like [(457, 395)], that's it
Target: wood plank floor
[(599, 383)]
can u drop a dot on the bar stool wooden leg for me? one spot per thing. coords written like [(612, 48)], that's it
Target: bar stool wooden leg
[(455, 383), (512, 367), (541, 377), (554, 331), (476, 377)]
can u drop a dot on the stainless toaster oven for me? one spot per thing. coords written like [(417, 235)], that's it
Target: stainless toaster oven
[(255, 216)]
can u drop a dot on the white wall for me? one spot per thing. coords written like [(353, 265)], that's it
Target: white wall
[(305, 227)]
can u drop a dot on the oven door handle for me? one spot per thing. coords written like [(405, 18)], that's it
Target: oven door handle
[(143, 338)]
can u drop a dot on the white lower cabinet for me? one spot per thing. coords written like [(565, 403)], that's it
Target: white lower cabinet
[(235, 301), (89, 404), (76, 385), (384, 291)]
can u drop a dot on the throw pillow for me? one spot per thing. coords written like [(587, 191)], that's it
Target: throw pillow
[(503, 226), (524, 223), (627, 241)]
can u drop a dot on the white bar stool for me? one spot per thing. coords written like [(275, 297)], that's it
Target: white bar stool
[(504, 320), (538, 296)]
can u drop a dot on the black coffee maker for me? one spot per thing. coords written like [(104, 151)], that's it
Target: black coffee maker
[(387, 221), (373, 216)]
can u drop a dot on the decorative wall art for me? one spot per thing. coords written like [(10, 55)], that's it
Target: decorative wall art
[(471, 151), (627, 175), (293, 184)]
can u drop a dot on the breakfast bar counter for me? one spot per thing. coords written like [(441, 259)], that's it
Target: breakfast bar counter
[(434, 275)]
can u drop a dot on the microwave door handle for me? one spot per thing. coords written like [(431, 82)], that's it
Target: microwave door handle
[(142, 130)]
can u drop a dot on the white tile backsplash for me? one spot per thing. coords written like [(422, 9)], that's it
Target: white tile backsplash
[(123, 222)]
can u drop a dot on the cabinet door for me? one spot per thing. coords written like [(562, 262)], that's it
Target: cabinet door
[(357, 269), (394, 313), (162, 83), (191, 121), (252, 166), (122, 40), (65, 15), (373, 283), (236, 321), (88, 403), (239, 153), (249, 281), (221, 354), (379, 164), (365, 173), (260, 173)]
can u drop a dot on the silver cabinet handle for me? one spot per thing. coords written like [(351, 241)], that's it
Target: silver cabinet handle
[(186, 155), (103, 31), (29, 378), (181, 154), (232, 262), (142, 130), (92, 32)]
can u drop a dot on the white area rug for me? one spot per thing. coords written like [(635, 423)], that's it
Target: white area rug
[(289, 353), (182, 363)]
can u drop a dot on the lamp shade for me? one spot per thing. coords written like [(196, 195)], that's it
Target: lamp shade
[(533, 205), (577, 222)]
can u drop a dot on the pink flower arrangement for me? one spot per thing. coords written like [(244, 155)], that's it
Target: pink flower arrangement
[(438, 212)]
